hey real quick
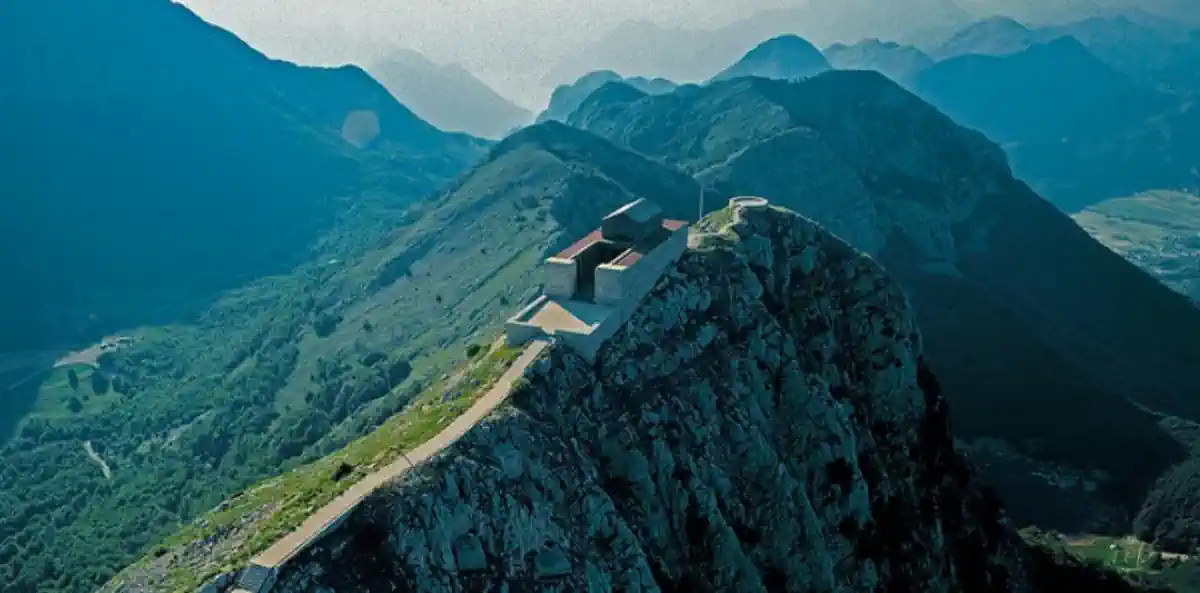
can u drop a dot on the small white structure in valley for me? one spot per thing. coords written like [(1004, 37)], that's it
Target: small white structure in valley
[(592, 287)]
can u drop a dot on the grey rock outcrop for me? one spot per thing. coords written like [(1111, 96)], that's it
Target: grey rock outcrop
[(764, 423)]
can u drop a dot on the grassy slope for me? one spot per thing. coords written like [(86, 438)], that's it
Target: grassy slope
[(226, 537), (446, 275), (1157, 230)]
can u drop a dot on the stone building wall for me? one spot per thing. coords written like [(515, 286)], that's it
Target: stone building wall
[(560, 277)]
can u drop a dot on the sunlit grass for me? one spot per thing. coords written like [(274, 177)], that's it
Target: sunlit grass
[(296, 494)]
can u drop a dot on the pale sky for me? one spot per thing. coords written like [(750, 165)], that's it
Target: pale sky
[(507, 43)]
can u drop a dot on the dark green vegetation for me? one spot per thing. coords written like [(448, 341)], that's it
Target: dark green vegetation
[(549, 183), (155, 168), (1000, 278), (385, 296), (475, 247), (156, 160), (447, 95), (257, 517), (786, 57)]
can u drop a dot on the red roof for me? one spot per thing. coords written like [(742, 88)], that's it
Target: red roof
[(629, 258), (580, 245), (597, 235)]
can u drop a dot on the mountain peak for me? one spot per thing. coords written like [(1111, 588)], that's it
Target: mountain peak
[(567, 98), (447, 95), (995, 35), (1050, 90), (768, 402), (898, 62), (787, 57)]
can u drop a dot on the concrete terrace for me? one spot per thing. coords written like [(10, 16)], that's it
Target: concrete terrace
[(592, 287)]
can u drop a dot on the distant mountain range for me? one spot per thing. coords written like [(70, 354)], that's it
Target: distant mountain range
[(640, 48), (566, 98), (448, 96), (1047, 92), (683, 55), (990, 37), (897, 61), (1079, 127), (1154, 51), (1000, 278), (1041, 13)]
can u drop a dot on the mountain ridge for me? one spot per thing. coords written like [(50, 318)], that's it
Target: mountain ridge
[(448, 96), (787, 57), (944, 220)]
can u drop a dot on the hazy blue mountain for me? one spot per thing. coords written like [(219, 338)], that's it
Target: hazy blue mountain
[(1075, 127), (1050, 91), (155, 155), (897, 61), (1058, 12), (685, 55), (642, 48), (1160, 152), (991, 36), (448, 96), (786, 57), (566, 98), (1155, 52)]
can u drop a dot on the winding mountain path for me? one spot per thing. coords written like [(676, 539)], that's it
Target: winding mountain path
[(332, 514)]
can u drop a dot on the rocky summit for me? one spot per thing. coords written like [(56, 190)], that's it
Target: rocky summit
[(764, 422)]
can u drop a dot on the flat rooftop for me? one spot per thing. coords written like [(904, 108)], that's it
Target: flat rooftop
[(581, 244), (569, 315), (629, 257)]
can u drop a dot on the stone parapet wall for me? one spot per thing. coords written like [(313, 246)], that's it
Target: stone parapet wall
[(610, 284), (518, 330), (561, 277)]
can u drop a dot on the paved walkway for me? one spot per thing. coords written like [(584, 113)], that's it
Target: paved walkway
[(331, 514)]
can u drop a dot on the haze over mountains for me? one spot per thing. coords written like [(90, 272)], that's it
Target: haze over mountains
[(448, 96), (161, 104), (566, 98), (787, 57), (646, 49), (300, 257)]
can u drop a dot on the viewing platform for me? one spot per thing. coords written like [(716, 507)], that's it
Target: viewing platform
[(592, 287)]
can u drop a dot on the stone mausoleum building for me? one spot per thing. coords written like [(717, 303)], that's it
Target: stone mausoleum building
[(592, 287)]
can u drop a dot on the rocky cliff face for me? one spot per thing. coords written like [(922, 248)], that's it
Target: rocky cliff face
[(1028, 321), (765, 422)]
